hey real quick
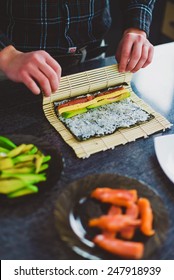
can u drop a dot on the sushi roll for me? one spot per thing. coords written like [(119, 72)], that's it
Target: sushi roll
[(100, 113)]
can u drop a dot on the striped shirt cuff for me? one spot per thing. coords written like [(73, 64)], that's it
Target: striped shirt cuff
[(4, 41), (138, 16)]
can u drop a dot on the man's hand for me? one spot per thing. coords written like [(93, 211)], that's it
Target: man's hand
[(134, 51), (37, 69)]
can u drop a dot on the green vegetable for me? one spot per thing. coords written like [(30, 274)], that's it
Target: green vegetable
[(26, 178), (28, 190), (16, 151), (33, 150), (38, 163), (43, 167), (21, 167), (9, 185), (6, 143), (3, 151), (73, 113), (20, 170), (25, 158), (6, 163), (46, 158)]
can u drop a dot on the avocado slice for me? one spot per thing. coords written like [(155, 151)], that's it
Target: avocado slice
[(110, 100), (6, 163), (104, 101), (6, 143), (73, 113), (27, 190), (25, 178), (11, 184)]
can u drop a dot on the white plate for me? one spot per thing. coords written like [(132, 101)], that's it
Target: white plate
[(164, 148)]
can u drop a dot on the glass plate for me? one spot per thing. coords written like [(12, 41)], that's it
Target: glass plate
[(55, 164), (74, 208)]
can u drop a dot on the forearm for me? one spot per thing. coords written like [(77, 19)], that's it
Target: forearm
[(137, 14)]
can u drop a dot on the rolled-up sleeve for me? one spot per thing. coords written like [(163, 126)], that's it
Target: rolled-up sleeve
[(137, 14)]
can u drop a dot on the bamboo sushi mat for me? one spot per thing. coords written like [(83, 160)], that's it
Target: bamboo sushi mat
[(91, 81)]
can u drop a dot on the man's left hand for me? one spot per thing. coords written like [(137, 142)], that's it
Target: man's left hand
[(134, 51)]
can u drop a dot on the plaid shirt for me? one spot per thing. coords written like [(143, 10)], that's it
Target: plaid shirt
[(57, 25)]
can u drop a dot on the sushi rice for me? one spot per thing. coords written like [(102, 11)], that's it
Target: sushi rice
[(106, 119)]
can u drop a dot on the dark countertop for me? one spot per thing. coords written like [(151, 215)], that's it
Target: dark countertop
[(27, 229)]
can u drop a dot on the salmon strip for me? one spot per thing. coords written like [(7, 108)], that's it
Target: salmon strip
[(129, 231), (76, 101), (110, 91), (113, 223), (124, 249), (146, 216), (87, 98), (114, 210), (120, 197)]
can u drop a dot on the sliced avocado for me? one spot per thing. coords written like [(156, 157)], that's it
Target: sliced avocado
[(46, 158), (20, 170), (73, 113), (109, 100), (28, 190), (6, 143), (16, 151), (10, 185), (38, 163), (28, 179), (24, 158), (6, 163), (33, 151), (3, 151)]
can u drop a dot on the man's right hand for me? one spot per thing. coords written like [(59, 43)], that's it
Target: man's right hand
[(32, 68)]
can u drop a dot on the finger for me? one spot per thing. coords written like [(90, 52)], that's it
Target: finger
[(150, 57), (51, 75), (55, 66), (125, 55), (47, 65), (143, 59), (42, 80), (30, 83), (135, 56)]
